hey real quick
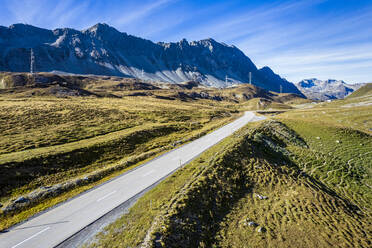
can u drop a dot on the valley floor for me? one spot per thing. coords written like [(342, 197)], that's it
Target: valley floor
[(301, 178)]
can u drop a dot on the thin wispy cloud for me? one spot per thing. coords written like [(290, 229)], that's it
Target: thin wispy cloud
[(42, 13), (298, 39), (142, 11), (246, 20), (23, 11)]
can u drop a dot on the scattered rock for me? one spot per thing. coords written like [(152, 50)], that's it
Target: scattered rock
[(261, 197), (45, 187), (252, 223), (9, 208), (317, 138), (261, 229), (338, 142), (22, 200), (176, 143)]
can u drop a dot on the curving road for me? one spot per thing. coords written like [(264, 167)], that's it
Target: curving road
[(57, 224)]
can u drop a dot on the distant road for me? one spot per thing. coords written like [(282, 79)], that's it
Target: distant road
[(56, 225)]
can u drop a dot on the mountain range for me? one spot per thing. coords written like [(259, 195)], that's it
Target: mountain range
[(326, 89), (103, 50)]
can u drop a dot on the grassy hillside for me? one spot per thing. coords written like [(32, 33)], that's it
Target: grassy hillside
[(46, 84), (269, 185), (353, 113), (299, 179), (62, 134), (340, 142), (366, 90), (48, 144)]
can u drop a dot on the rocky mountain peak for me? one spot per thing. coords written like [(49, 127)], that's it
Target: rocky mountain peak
[(277, 83), (266, 69), (184, 41), (307, 83), (21, 29), (325, 89), (102, 30), (103, 50)]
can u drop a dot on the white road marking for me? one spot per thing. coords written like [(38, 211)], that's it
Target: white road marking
[(104, 197), (148, 173), (33, 236)]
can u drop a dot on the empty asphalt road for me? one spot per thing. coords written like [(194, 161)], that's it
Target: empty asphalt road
[(56, 225)]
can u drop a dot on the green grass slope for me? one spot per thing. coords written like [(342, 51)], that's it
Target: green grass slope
[(263, 187), (365, 90)]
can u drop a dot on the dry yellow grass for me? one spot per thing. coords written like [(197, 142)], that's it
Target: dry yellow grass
[(48, 140)]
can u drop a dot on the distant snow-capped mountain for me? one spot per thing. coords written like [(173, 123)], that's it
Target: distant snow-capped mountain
[(103, 50), (326, 90)]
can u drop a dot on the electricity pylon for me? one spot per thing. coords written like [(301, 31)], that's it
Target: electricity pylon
[(32, 61)]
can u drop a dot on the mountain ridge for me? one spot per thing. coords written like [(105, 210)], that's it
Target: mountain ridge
[(329, 89), (103, 50)]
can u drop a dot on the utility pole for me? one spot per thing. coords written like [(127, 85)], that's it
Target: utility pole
[(32, 61), (142, 73), (227, 80), (281, 89), (250, 77)]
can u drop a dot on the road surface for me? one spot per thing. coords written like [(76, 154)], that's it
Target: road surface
[(57, 224)]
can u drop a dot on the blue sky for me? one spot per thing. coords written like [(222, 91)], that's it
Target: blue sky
[(298, 39)]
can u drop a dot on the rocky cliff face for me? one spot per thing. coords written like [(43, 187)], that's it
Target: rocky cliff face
[(326, 90), (103, 50)]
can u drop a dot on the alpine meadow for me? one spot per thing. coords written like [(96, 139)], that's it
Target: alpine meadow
[(185, 124)]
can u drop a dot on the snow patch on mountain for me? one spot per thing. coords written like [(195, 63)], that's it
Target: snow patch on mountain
[(103, 50), (326, 89)]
